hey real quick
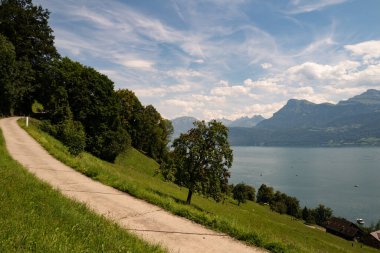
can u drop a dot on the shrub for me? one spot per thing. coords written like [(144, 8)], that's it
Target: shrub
[(107, 144), (72, 134), (37, 107), (242, 192), (265, 194)]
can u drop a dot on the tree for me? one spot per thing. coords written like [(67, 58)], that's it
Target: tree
[(242, 192), (149, 131), (7, 67), (15, 80), (292, 206), (322, 214), (265, 194), (91, 99), (307, 215), (202, 157), (26, 27)]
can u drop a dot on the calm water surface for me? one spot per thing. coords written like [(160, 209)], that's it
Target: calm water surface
[(316, 175)]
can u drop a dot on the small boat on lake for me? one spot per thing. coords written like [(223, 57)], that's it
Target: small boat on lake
[(360, 221)]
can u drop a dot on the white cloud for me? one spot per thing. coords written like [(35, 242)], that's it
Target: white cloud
[(266, 85), (162, 90), (266, 65), (184, 73), (137, 64), (199, 61), (367, 49), (236, 90), (309, 71), (93, 17), (311, 5), (265, 110), (215, 100), (224, 83)]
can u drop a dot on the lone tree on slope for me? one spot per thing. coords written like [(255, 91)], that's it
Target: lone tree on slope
[(202, 157), (242, 192)]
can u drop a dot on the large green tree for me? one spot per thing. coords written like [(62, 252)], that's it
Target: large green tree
[(322, 214), (16, 79), (90, 97), (7, 66), (26, 27), (149, 131), (202, 158), (265, 194)]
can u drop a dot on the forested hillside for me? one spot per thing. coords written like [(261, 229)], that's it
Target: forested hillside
[(78, 104), (354, 121)]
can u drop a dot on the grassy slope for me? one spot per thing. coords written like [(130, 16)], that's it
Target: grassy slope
[(253, 223), (36, 218)]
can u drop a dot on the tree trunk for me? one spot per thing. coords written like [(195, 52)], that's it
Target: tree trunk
[(189, 197)]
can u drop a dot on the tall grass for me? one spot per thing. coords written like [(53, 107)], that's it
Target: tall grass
[(252, 223), (36, 218)]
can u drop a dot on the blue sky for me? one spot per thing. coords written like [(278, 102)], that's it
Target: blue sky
[(224, 58)]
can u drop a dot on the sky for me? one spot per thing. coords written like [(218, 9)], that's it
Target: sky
[(215, 59)]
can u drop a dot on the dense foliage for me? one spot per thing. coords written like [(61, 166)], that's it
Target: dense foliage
[(284, 204), (202, 157), (16, 77), (26, 27), (90, 98), (79, 104), (242, 192), (150, 133)]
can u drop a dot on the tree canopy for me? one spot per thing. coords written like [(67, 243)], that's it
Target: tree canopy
[(26, 27), (242, 192), (91, 99), (202, 158), (15, 79), (265, 194), (149, 131)]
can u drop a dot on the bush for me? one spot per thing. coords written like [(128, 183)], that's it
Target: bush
[(72, 134), (47, 127), (167, 169), (322, 214), (37, 107), (279, 207), (108, 144), (242, 192), (265, 194)]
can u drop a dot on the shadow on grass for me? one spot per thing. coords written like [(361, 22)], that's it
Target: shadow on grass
[(179, 201)]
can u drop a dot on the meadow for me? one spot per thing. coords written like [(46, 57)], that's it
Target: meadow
[(255, 224)]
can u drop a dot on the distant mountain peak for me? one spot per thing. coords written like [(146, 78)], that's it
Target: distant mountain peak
[(293, 102), (369, 97), (246, 121)]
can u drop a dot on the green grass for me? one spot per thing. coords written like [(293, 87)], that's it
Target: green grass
[(36, 218), (250, 222)]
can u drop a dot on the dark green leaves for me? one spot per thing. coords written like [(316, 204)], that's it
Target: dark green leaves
[(202, 157)]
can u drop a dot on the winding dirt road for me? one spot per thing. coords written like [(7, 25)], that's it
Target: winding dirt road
[(150, 222)]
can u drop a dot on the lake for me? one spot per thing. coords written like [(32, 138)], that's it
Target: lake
[(316, 176)]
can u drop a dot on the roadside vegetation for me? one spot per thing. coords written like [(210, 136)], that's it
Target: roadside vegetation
[(36, 218), (79, 104), (250, 222)]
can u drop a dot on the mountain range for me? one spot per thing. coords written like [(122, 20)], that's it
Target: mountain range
[(183, 124), (352, 122), (355, 121)]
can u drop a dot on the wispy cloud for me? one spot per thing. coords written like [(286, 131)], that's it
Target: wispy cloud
[(213, 59), (304, 6)]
